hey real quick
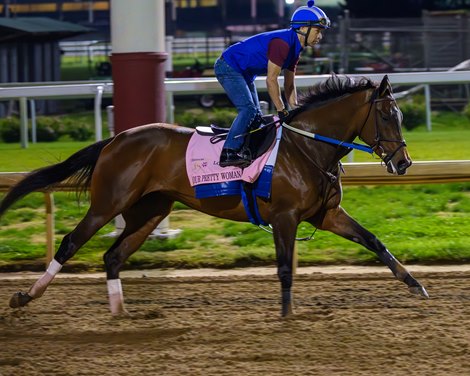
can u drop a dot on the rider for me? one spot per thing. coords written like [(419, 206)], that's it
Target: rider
[(266, 53)]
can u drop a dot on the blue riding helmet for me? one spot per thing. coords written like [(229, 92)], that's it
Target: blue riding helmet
[(311, 16)]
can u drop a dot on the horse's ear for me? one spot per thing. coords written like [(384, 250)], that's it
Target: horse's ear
[(384, 86)]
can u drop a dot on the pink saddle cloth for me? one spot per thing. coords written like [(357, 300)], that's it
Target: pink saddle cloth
[(202, 163)]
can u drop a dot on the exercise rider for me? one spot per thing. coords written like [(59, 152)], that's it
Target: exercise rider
[(267, 53)]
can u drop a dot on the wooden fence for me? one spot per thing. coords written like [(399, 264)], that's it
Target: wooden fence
[(355, 174)]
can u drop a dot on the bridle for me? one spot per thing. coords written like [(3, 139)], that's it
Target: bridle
[(377, 145)]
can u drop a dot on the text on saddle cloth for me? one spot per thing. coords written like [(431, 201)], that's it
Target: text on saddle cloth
[(202, 162)]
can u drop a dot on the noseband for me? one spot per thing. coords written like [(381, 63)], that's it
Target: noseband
[(377, 145)]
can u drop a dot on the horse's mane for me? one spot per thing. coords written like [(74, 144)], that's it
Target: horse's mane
[(334, 87)]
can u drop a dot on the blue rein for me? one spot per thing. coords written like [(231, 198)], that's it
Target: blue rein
[(350, 145)]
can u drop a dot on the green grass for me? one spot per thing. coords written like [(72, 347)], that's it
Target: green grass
[(419, 223), (79, 68), (449, 139), (15, 159)]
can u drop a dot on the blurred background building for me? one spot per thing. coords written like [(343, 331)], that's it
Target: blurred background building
[(44, 40), (366, 34)]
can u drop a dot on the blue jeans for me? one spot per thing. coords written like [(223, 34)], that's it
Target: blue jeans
[(243, 96)]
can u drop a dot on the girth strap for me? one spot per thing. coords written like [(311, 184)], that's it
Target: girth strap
[(251, 206)]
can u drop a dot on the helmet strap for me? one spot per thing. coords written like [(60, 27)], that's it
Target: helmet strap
[(305, 34)]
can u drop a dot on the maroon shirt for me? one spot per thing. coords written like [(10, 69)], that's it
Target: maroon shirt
[(278, 50)]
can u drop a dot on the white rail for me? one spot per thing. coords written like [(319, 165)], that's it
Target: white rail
[(99, 89), (58, 90)]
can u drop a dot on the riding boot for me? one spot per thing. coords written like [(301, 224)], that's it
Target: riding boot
[(240, 158), (231, 157)]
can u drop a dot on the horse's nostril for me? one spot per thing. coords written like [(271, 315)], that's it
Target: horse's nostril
[(403, 165)]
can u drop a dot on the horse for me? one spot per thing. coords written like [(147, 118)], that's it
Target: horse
[(141, 172)]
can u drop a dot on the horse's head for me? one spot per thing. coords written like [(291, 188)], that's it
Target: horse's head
[(382, 129)]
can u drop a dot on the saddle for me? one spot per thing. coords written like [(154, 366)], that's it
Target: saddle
[(257, 141), (252, 182)]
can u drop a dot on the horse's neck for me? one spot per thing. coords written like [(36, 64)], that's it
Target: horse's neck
[(339, 120)]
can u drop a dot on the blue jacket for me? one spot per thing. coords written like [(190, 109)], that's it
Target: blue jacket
[(250, 56)]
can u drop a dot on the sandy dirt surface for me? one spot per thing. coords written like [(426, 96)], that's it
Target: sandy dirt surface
[(363, 323)]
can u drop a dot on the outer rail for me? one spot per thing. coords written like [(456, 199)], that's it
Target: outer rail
[(425, 172)]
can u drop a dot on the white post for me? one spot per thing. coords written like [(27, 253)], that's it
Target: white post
[(24, 122), (98, 122), (110, 115), (427, 97), (280, 8), (253, 11), (170, 105), (32, 107), (169, 50)]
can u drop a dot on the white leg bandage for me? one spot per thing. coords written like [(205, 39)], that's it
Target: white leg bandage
[(116, 297), (41, 284)]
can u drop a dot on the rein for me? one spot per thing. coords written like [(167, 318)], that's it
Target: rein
[(353, 145), (314, 136), (333, 141)]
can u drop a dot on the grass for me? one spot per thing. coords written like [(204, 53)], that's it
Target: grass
[(46, 153), (37, 155), (419, 223), (80, 68), (422, 223), (449, 139)]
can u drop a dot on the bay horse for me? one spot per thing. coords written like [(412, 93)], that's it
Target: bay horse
[(141, 172)]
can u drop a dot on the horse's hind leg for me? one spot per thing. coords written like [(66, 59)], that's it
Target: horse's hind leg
[(340, 223), (141, 219), (70, 244)]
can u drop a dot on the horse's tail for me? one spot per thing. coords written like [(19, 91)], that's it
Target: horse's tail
[(78, 166)]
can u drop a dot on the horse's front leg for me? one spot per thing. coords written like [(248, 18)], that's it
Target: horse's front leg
[(284, 230), (339, 222)]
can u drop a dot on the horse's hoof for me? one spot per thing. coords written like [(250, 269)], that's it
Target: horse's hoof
[(287, 311), (419, 290), (124, 314), (20, 299)]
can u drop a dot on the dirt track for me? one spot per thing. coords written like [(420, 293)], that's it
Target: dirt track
[(361, 324)]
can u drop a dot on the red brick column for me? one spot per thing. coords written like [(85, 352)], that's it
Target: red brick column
[(139, 89)]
